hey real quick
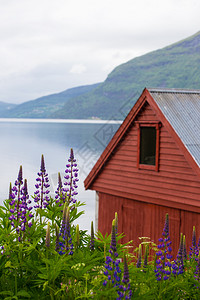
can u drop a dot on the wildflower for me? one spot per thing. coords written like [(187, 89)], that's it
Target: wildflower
[(113, 248), (163, 256), (41, 197), (197, 271), (178, 269), (194, 251), (11, 194), (71, 179), (66, 246), (139, 261), (92, 237), (60, 194), (17, 192), (124, 290), (20, 206), (112, 269)]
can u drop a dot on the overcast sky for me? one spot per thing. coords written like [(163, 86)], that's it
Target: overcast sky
[(47, 46)]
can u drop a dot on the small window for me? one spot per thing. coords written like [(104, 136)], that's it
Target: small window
[(148, 145)]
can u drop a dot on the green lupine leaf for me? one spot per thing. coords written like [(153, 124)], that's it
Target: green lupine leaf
[(23, 293)]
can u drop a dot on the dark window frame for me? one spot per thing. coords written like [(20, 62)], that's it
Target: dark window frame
[(157, 126)]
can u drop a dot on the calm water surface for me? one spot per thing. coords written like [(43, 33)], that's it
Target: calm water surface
[(24, 141)]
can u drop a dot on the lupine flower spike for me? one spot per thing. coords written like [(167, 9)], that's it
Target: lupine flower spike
[(197, 271), (146, 257), (17, 189), (71, 179), (112, 269), (199, 243), (41, 197), (163, 256), (60, 194), (179, 260), (20, 206), (66, 246), (194, 251), (127, 293), (11, 194), (92, 237), (139, 260)]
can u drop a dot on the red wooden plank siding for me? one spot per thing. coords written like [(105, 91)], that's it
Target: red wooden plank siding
[(108, 205), (175, 181), (138, 219)]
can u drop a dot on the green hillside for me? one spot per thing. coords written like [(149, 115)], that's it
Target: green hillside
[(175, 66), (43, 107)]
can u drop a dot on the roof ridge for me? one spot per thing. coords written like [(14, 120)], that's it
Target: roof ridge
[(174, 91)]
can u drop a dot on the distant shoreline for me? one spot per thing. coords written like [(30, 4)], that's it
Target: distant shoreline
[(82, 121)]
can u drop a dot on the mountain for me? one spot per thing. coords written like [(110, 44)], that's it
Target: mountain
[(175, 66), (5, 107), (44, 107)]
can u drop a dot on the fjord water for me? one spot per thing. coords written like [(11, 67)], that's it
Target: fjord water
[(24, 141)]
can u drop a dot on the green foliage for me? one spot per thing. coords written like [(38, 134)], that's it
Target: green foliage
[(33, 268)]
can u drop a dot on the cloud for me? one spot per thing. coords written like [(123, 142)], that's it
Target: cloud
[(78, 69), (48, 46)]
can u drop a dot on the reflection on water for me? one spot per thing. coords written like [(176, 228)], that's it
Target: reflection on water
[(23, 143)]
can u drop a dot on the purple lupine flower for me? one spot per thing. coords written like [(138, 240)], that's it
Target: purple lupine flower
[(179, 259), (17, 190), (66, 245), (194, 251), (124, 289), (166, 226), (199, 243), (113, 248), (20, 206), (11, 194), (126, 272), (41, 197), (139, 260), (71, 179), (197, 271), (163, 256), (60, 194), (92, 237), (112, 269), (20, 177)]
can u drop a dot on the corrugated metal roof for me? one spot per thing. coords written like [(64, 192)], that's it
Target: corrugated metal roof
[(182, 110)]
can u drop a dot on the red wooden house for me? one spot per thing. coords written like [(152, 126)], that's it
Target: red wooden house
[(152, 167)]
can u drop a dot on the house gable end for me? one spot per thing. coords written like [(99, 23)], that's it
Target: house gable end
[(125, 139)]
